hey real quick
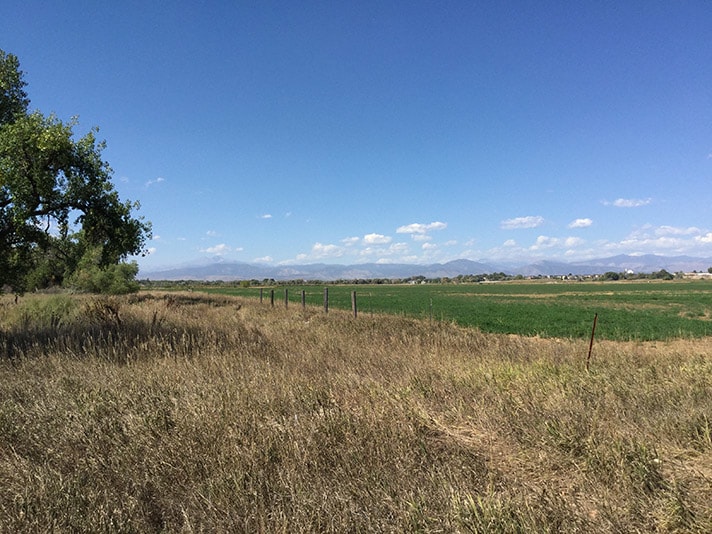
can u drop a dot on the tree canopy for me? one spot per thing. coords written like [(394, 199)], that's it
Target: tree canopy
[(57, 202)]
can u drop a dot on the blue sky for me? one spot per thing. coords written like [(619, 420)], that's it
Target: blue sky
[(389, 131)]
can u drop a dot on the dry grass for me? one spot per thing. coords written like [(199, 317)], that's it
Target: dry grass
[(189, 414)]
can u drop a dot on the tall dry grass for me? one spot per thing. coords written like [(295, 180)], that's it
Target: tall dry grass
[(183, 413)]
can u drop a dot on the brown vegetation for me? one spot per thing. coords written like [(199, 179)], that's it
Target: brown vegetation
[(184, 413)]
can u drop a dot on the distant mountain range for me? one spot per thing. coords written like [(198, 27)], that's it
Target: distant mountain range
[(227, 271)]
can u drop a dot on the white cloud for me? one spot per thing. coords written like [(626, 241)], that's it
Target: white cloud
[(628, 202), (419, 228), (220, 249), (266, 216), (264, 259), (395, 249), (580, 223), (705, 239), (418, 232), (545, 242), (150, 250), (350, 241), (211, 233), (653, 244), (570, 242), (429, 246), (320, 250), (398, 248), (522, 222), (648, 239), (376, 239)]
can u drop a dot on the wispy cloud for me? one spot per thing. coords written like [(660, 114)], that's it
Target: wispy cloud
[(665, 240), (531, 221), (397, 250), (419, 228), (580, 223), (158, 180), (265, 216), (673, 230), (628, 202), (421, 237)]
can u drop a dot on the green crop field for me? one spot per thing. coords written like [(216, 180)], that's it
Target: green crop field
[(645, 310)]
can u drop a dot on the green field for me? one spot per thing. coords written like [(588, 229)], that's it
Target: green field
[(646, 310)]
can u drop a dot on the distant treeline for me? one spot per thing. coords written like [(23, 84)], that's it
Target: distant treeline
[(460, 279)]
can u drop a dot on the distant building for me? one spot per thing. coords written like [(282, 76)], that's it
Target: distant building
[(698, 276)]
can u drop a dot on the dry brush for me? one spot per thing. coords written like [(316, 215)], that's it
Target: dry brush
[(185, 413)]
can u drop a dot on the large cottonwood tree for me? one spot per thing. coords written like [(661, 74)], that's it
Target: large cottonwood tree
[(56, 195)]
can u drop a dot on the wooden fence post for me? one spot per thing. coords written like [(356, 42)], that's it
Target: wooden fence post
[(326, 300), (261, 290), (353, 303), (304, 300), (286, 298), (271, 297), (590, 346)]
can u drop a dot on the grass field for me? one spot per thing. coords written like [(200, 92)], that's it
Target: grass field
[(185, 412), (644, 311)]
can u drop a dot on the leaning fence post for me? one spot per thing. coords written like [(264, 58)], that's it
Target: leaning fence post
[(353, 303), (590, 345), (326, 300)]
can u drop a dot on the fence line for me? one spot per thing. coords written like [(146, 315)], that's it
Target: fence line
[(354, 302), (428, 311)]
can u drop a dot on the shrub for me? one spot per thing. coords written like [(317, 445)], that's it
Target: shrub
[(117, 279)]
